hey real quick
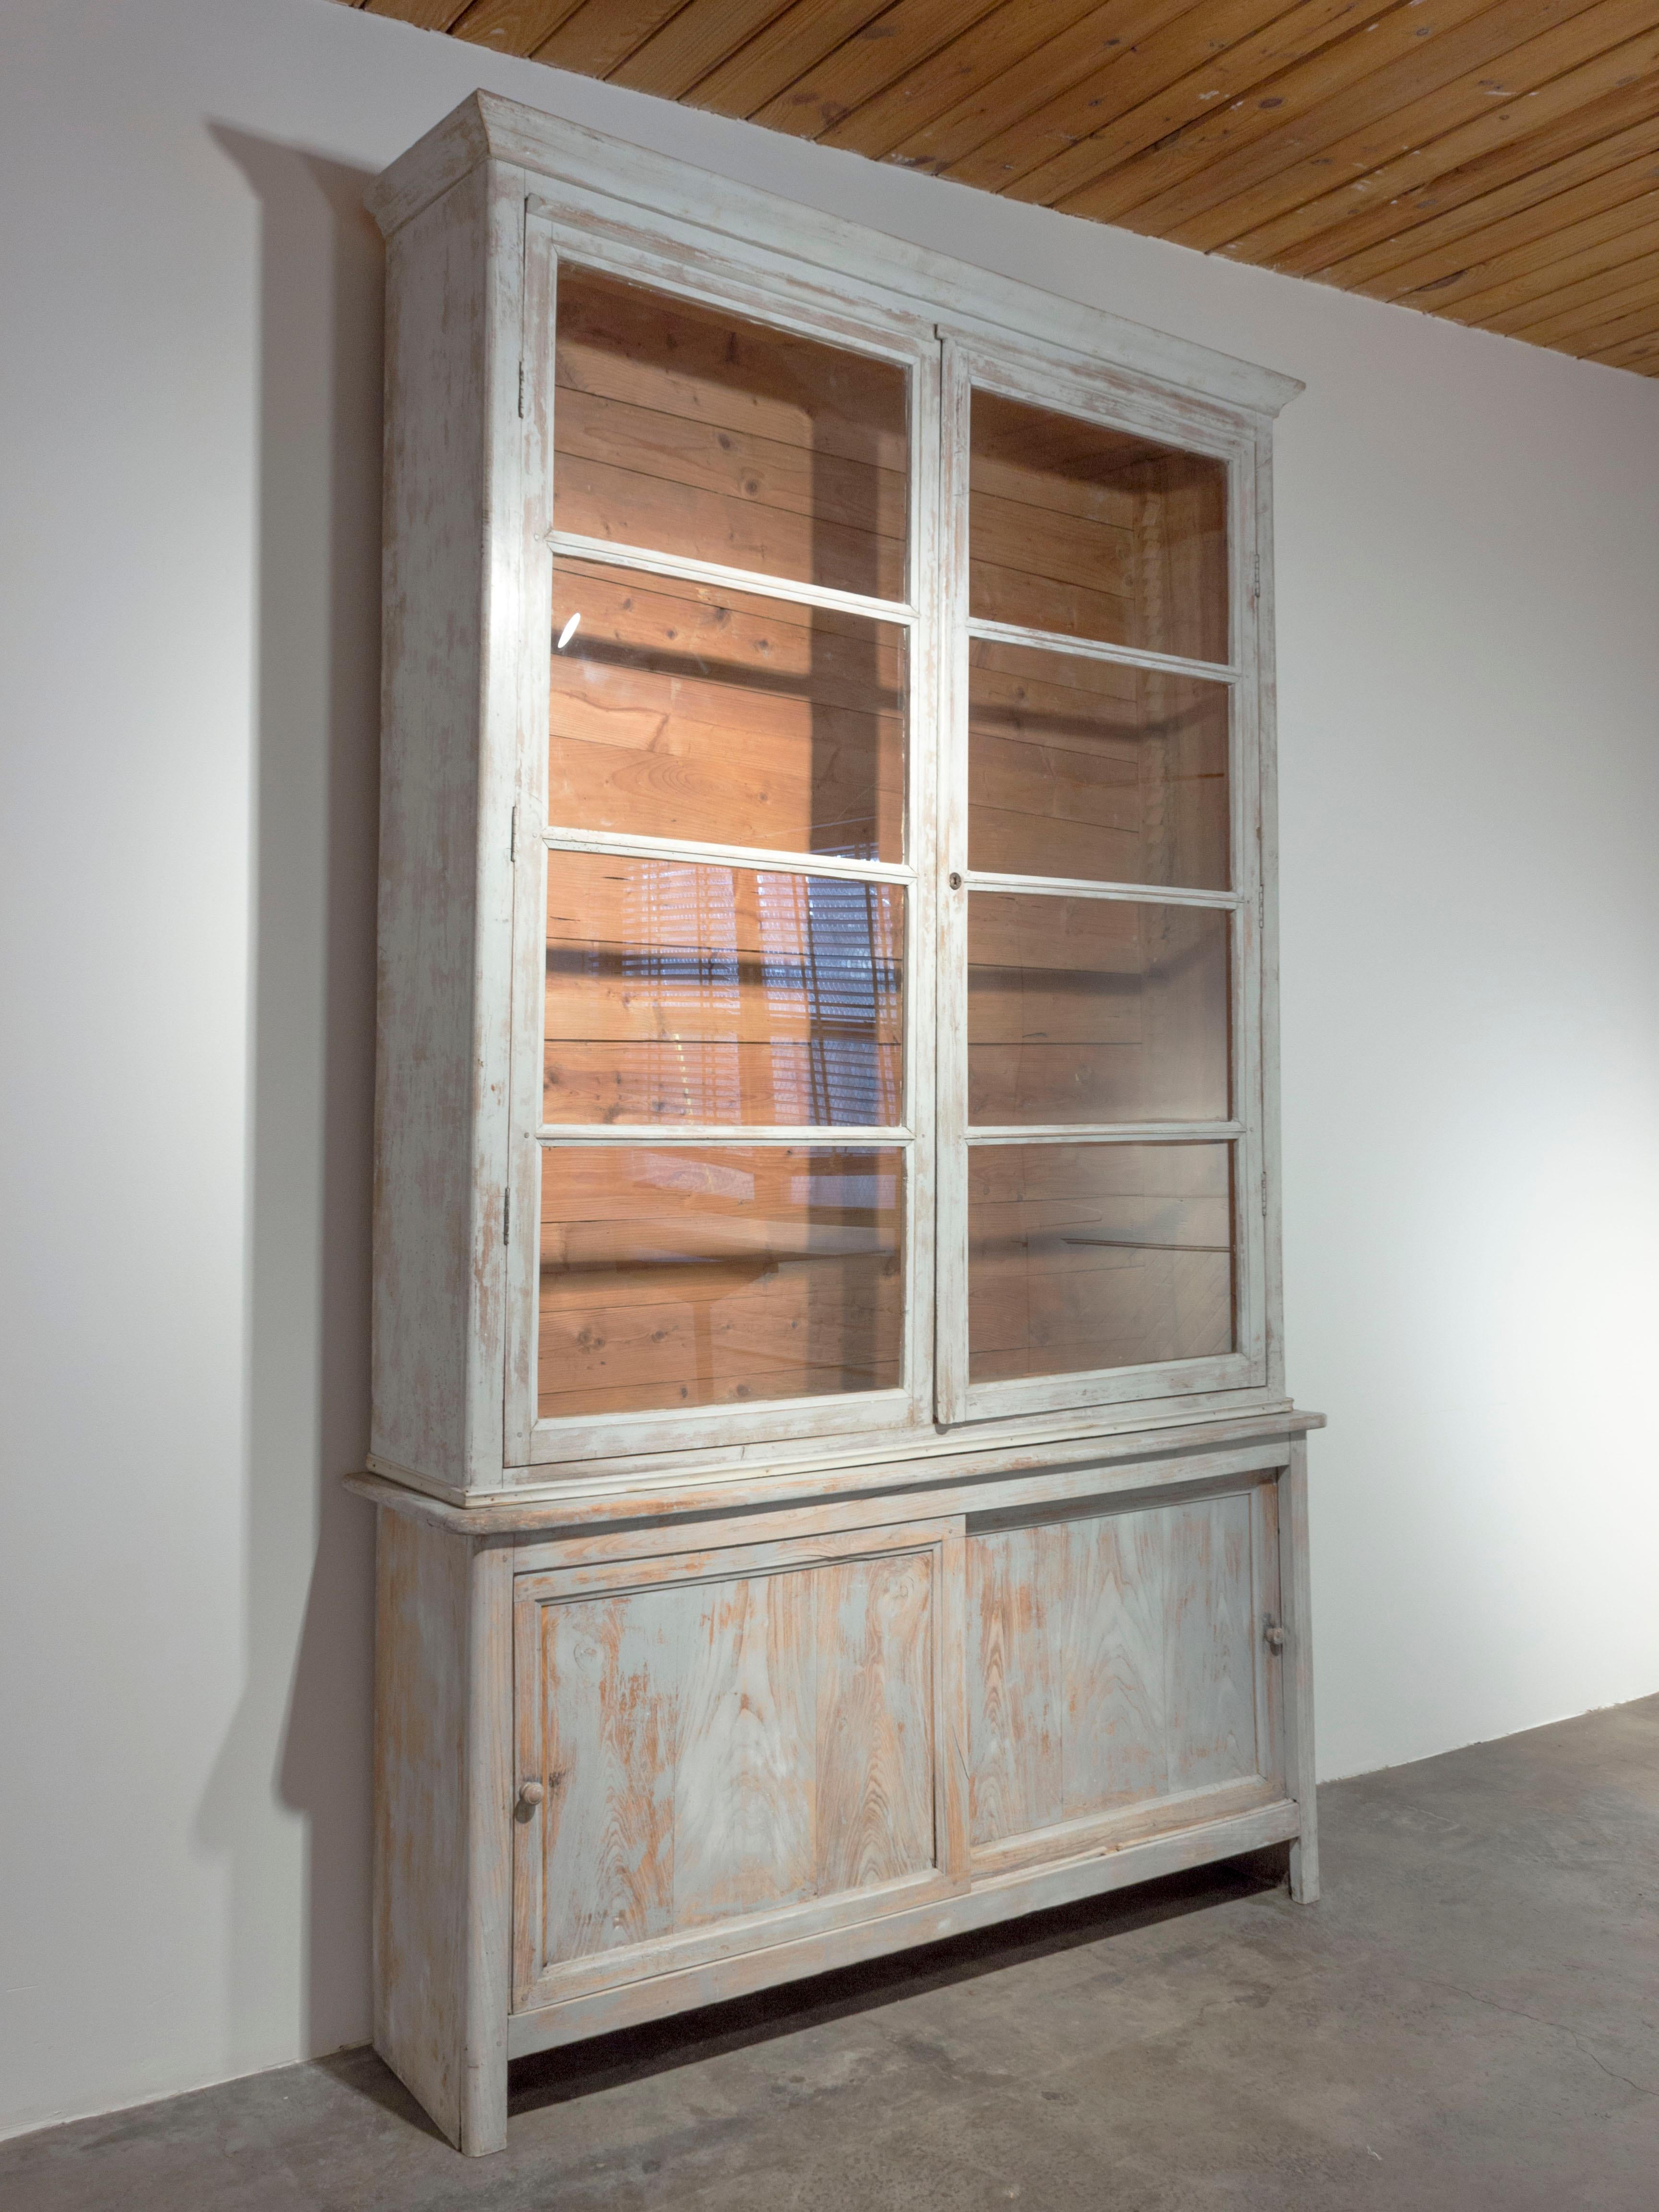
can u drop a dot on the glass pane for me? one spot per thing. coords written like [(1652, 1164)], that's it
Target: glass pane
[(686, 1277), (679, 711), (1095, 1009), (1094, 770), (680, 993), (1082, 1256), (1096, 533), (691, 431)]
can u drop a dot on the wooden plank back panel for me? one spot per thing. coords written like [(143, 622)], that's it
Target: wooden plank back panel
[(680, 992), (719, 1750), (1086, 769), (680, 711), (1095, 1010), (1078, 529), (696, 433), (718, 1274), (1115, 1660)]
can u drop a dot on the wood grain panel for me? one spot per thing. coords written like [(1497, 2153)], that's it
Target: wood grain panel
[(1604, 299), (719, 1748), (1406, 147), (1116, 1699), (1068, 174), (599, 37), (1624, 284), (1212, 1645), (1022, 88), (743, 1811), (873, 1634), (751, 79), (511, 27), (1172, 176), (1124, 78), (1533, 207), (612, 1737), (1436, 90), (1316, 137), (1016, 1694), (901, 34), (1115, 1660), (693, 43), (1593, 132)]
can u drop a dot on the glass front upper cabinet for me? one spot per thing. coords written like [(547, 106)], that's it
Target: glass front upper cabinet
[(898, 942), (726, 1216), (1099, 957)]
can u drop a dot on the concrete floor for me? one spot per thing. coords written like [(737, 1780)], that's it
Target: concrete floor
[(1469, 2020)]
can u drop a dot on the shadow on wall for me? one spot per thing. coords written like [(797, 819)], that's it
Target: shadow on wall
[(288, 1805)]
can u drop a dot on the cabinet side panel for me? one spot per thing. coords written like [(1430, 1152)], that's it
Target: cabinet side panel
[(420, 1810), (431, 673)]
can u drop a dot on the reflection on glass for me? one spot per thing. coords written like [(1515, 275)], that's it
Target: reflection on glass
[(679, 711), (684, 993), (691, 431), (726, 1276), (1095, 1009), (1095, 770), (1096, 533), (1086, 1256)]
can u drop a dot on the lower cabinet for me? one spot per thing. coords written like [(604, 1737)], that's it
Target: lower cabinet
[(724, 1748), (648, 1777), (719, 1752)]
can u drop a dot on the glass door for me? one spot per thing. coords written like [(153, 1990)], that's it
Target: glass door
[(730, 1240), (1102, 954)]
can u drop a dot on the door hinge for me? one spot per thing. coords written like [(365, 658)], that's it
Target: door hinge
[(1255, 564), (507, 1216), (521, 392), (513, 838)]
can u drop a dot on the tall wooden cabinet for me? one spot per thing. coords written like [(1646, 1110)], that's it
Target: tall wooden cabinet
[(836, 1481)]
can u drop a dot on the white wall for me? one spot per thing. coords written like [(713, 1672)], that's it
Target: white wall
[(1469, 542)]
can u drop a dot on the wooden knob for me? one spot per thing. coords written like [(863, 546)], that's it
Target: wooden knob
[(1275, 1636), (530, 1793)]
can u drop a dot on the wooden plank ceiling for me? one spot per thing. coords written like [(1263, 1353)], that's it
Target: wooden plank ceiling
[(1495, 161)]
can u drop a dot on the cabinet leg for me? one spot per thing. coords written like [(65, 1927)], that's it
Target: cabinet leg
[(483, 2107), (1304, 1866)]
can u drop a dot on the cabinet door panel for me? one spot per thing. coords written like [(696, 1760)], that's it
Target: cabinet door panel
[(1014, 1586), (718, 1750), (1117, 1666)]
